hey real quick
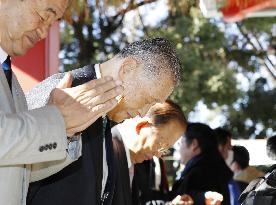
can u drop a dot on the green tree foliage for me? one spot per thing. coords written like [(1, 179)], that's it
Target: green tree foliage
[(205, 74), (212, 53), (255, 112), (91, 32)]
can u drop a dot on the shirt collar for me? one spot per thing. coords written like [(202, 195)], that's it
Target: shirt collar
[(127, 132), (193, 161), (3, 55), (98, 75), (98, 71)]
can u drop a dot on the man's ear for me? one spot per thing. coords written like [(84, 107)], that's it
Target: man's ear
[(194, 144), (235, 166), (129, 64), (141, 124)]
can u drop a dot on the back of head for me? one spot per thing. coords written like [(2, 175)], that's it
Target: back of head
[(241, 156), (158, 56), (149, 70), (204, 135), (163, 113), (222, 135), (271, 147)]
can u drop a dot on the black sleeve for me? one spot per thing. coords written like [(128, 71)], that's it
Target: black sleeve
[(39, 95), (198, 196), (186, 186)]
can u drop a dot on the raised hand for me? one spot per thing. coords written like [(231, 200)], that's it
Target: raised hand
[(82, 105), (184, 199), (213, 198)]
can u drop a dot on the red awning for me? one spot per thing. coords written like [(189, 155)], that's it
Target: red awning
[(236, 10)]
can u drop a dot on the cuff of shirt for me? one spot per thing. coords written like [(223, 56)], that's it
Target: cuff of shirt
[(74, 147)]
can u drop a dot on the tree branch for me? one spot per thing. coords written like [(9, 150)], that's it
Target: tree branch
[(245, 35), (133, 6), (145, 30)]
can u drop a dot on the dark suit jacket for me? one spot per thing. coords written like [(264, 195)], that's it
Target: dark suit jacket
[(144, 176), (81, 182), (124, 194), (205, 172), (140, 192)]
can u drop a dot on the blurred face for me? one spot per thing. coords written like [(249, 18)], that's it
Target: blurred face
[(152, 140), (27, 22), (235, 167), (188, 151), (140, 94), (224, 149)]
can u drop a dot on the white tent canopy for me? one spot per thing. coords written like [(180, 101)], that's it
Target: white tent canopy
[(257, 151)]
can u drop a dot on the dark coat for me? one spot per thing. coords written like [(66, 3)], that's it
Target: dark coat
[(140, 191), (205, 172), (81, 182), (144, 176), (123, 192)]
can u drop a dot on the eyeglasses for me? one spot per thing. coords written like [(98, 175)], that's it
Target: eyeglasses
[(181, 140), (164, 151)]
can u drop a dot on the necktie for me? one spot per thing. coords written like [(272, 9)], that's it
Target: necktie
[(7, 69)]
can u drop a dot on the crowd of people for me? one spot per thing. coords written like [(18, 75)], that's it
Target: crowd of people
[(57, 144), (215, 172)]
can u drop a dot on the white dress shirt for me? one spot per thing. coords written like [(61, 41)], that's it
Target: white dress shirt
[(127, 132), (105, 167), (3, 55), (157, 170)]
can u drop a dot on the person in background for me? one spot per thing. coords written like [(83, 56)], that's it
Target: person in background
[(139, 139), (151, 179), (205, 169), (224, 144), (243, 173), (158, 130), (225, 148), (262, 190), (271, 147)]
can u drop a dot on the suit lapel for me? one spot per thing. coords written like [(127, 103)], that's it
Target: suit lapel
[(123, 190), (5, 89), (16, 98), (135, 198), (18, 95)]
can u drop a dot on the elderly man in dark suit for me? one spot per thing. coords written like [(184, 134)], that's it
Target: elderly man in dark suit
[(149, 71), (139, 139)]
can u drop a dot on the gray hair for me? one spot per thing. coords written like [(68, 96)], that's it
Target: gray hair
[(158, 56)]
